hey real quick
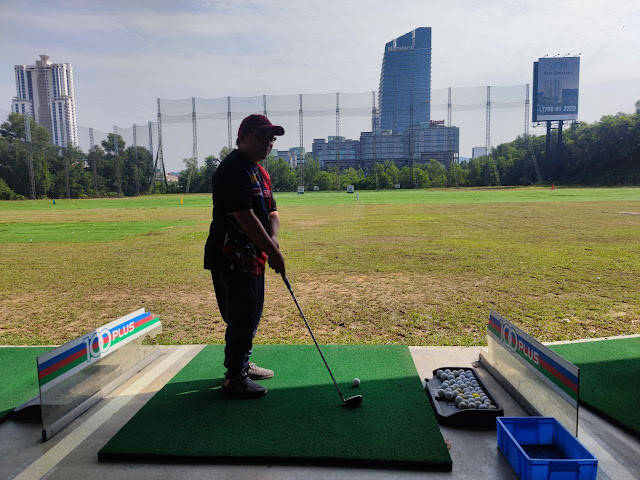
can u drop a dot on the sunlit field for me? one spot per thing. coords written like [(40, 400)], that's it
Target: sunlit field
[(409, 267)]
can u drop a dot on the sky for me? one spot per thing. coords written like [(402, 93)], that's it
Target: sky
[(126, 54)]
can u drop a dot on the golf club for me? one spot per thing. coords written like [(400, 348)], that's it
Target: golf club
[(349, 402)]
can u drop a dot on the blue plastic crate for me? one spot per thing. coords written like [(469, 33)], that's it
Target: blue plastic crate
[(541, 448)]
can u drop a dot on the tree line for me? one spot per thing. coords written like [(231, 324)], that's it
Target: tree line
[(603, 153)]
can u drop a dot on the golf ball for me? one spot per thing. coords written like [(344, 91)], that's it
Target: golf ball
[(482, 407), (356, 382), (441, 393), (448, 395), (458, 399), (439, 372), (462, 405)]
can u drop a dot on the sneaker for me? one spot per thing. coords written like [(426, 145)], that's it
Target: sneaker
[(258, 373), (243, 386)]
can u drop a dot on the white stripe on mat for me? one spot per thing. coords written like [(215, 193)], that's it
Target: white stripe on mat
[(65, 446)]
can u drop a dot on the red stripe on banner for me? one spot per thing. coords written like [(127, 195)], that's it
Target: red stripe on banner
[(62, 363), (564, 380), (495, 324), (142, 321)]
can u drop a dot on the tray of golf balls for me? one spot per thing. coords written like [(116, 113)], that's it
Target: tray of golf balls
[(460, 398)]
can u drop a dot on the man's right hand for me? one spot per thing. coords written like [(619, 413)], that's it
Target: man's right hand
[(276, 261)]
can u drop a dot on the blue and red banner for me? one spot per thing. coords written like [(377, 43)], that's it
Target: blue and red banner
[(560, 375), (68, 359)]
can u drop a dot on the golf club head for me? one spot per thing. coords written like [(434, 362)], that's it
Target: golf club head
[(354, 401)]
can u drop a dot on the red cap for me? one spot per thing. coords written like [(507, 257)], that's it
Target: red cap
[(259, 122)]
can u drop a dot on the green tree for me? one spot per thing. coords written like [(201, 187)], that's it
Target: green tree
[(405, 177), (283, 177), (437, 174), (311, 171), (112, 166), (14, 155), (187, 174)]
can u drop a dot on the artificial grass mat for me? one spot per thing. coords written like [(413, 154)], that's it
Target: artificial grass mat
[(18, 376), (300, 421), (609, 376)]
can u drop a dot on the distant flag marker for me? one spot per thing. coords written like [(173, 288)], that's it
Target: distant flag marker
[(54, 201), (552, 186), (181, 200)]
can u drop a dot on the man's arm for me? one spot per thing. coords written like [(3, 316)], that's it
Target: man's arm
[(258, 235), (274, 220)]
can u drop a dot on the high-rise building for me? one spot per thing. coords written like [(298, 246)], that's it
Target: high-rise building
[(336, 150), (405, 81), (45, 91)]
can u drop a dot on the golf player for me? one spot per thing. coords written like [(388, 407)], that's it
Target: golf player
[(243, 237)]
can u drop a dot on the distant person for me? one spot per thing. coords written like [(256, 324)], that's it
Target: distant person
[(243, 236)]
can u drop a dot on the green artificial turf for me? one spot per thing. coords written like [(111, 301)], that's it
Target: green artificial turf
[(609, 377), (18, 376), (300, 421)]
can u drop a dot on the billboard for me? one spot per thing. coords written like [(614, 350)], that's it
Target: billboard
[(555, 88)]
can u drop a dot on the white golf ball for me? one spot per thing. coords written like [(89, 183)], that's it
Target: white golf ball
[(462, 405), (439, 372), (443, 376), (482, 406), (472, 405), (356, 382), (458, 399), (447, 370), (448, 395), (441, 393)]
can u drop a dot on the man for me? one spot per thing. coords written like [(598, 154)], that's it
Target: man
[(242, 238)]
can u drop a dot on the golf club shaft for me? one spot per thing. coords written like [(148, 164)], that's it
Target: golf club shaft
[(286, 281)]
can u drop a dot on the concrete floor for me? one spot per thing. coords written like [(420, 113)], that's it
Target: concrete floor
[(72, 453)]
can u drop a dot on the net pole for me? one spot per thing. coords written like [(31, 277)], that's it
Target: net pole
[(116, 159), (374, 123), (135, 159), (301, 159), (194, 122), (229, 136), (337, 142), (151, 151), (32, 175), (94, 161)]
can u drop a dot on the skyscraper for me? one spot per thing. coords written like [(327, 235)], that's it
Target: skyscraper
[(405, 81), (45, 91)]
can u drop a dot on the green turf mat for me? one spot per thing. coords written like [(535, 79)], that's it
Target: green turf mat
[(609, 376), (300, 421), (18, 376)]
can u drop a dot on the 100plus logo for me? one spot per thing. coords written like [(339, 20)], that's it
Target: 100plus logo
[(509, 336), (100, 342)]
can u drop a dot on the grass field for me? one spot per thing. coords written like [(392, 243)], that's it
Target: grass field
[(409, 267)]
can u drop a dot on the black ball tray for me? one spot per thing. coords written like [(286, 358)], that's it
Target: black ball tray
[(448, 414)]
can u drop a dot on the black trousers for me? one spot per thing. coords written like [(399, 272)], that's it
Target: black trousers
[(240, 298)]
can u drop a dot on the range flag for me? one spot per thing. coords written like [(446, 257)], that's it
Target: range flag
[(181, 200), (552, 187), (54, 201)]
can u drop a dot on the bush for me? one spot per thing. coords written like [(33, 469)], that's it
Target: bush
[(6, 193)]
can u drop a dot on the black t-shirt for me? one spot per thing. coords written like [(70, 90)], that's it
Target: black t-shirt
[(238, 184)]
